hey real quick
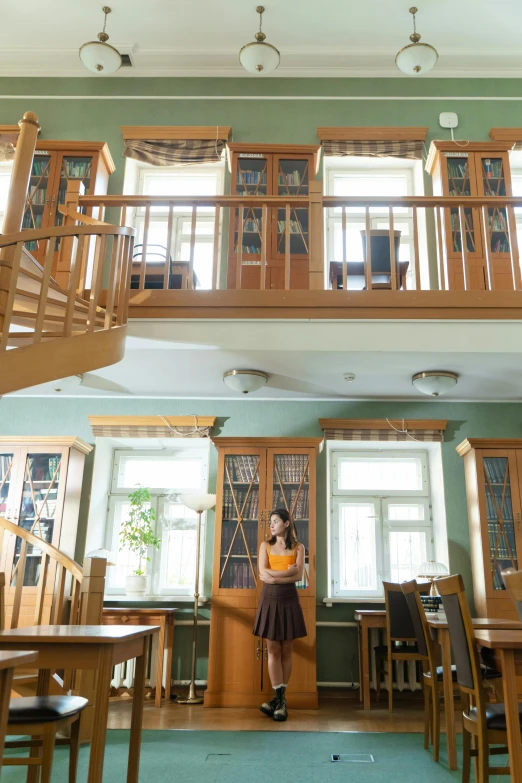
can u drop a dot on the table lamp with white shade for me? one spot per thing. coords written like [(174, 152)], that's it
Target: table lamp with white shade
[(198, 502), (432, 570)]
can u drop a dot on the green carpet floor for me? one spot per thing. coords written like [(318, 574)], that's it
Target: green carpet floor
[(261, 757)]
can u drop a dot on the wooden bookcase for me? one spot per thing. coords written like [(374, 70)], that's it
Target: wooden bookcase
[(493, 470), (256, 475), (271, 170), (55, 164), (40, 488), (477, 169)]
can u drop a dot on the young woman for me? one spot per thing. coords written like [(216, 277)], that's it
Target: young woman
[(279, 617)]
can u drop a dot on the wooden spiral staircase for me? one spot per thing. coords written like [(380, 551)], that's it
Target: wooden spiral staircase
[(48, 332)]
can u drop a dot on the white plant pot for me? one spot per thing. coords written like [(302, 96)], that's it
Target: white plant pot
[(135, 585)]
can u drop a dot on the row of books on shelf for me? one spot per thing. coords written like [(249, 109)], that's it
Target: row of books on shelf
[(501, 551), (76, 169), (249, 177), (465, 191), (500, 246), (295, 227), (238, 575), (252, 225), (37, 195), (495, 469), (249, 249), (40, 167), (291, 178), (492, 167), (455, 221), (43, 467), (229, 506), (291, 468), (498, 223), (227, 534), (494, 508), (243, 468), (292, 497), (458, 169), (30, 221)]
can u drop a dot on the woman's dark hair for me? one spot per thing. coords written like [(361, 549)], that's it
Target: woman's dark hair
[(290, 534)]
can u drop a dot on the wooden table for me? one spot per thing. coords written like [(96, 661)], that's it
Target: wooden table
[(356, 272), (8, 662), (164, 618), (440, 632), (97, 647), (508, 645), (367, 619)]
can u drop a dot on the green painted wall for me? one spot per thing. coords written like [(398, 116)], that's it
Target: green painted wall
[(336, 647)]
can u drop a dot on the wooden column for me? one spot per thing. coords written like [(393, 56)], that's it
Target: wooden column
[(316, 228), (23, 161), (92, 591), (63, 259)]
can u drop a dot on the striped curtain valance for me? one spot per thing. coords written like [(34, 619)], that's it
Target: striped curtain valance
[(152, 426), (167, 152), (395, 430), (377, 148)]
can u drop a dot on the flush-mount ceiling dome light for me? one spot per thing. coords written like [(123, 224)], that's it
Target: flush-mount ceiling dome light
[(416, 58), (434, 383), (99, 56), (259, 56), (245, 381)]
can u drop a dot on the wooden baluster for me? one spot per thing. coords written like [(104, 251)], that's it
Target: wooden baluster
[(190, 281), (75, 601), (40, 595), (513, 249), (19, 584), (239, 254), (44, 290), (345, 259), (9, 258), (287, 248), (393, 260), (73, 286), (57, 610), (464, 246), (129, 252), (443, 275), (97, 276), (143, 265), (2, 602), (316, 269), (166, 271), (368, 259), (490, 280), (123, 215), (216, 266), (123, 279), (264, 245), (416, 257), (111, 289), (62, 271)]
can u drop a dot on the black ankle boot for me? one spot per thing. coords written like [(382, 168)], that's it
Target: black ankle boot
[(269, 707), (280, 712)]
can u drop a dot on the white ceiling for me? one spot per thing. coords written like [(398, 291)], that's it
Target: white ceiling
[(307, 360), (202, 37)]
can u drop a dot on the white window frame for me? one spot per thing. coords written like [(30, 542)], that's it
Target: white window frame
[(516, 178), (155, 569), (382, 500), (6, 170)]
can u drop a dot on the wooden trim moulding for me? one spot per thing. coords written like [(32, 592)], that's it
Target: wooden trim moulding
[(9, 133), (79, 146), (303, 443), (513, 135), (437, 147), (382, 424), (372, 133), (488, 443), (151, 421), (157, 132), (56, 441)]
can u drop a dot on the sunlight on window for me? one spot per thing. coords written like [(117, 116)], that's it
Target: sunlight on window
[(126, 561), (401, 474), (357, 545), (407, 552), (406, 512), (5, 181), (156, 473)]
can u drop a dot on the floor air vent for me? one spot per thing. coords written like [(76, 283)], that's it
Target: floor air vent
[(353, 758)]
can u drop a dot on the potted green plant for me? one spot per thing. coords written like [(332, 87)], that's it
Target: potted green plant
[(137, 535)]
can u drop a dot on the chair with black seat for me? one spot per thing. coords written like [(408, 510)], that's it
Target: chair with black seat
[(380, 260), (485, 722), (155, 261), (401, 640), (41, 717)]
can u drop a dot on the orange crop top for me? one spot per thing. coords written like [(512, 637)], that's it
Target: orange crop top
[(280, 562)]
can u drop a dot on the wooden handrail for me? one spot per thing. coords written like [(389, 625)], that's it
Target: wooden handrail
[(70, 565), (35, 234), (80, 217)]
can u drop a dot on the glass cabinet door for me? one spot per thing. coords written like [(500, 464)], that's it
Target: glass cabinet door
[(501, 522), (240, 521), (38, 509), (252, 179), (459, 179), (291, 491), (6, 482), (72, 167), (492, 181), (292, 178), (37, 199)]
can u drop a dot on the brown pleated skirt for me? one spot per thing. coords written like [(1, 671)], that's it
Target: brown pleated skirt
[(279, 615)]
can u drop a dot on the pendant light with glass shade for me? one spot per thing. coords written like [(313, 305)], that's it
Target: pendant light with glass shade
[(416, 58), (99, 56), (259, 56)]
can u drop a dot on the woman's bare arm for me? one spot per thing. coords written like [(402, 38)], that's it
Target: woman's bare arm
[(294, 573)]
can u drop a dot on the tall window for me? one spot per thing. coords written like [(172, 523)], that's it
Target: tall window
[(6, 169), (516, 182), (167, 474), (200, 180), (368, 177), (381, 526)]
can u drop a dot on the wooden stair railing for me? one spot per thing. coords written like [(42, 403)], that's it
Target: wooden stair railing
[(38, 312)]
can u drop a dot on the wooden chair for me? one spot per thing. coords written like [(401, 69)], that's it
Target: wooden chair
[(399, 631), (485, 723), (380, 260), (41, 717), (513, 581), (432, 674)]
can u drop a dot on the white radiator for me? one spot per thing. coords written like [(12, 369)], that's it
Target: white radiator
[(123, 673), (404, 672)]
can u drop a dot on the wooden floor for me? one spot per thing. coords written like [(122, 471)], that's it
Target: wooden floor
[(334, 714)]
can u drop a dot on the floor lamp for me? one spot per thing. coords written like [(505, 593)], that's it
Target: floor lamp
[(198, 503)]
